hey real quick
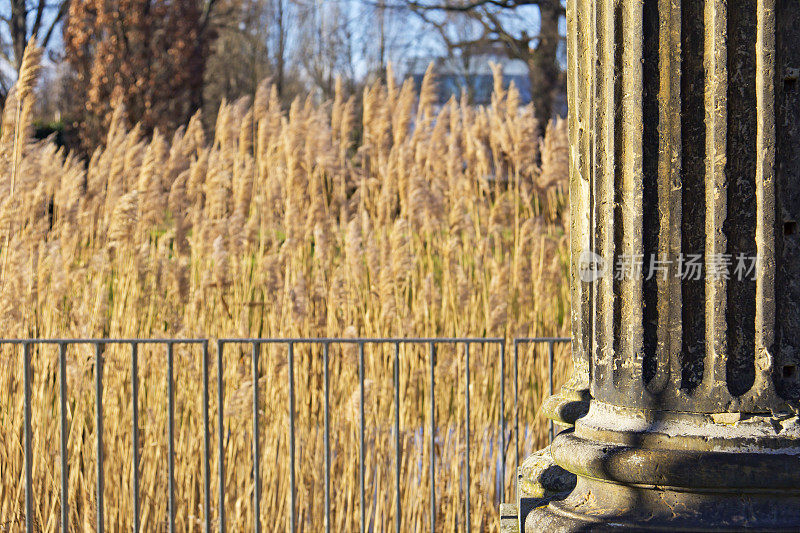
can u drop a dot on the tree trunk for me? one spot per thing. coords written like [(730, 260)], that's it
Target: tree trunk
[(543, 71), (19, 30), (281, 59)]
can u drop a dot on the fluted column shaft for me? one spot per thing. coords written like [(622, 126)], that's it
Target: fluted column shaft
[(674, 115), (684, 134)]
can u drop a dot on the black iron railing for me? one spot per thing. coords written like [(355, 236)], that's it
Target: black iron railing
[(256, 345)]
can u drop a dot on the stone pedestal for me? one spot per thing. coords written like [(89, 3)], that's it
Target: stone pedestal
[(685, 194)]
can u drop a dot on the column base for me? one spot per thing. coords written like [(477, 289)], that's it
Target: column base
[(663, 471), (602, 506)]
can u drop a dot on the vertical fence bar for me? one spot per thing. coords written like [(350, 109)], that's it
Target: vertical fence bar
[(221, 436), (397, 435), (516, 405), (135, 432), (62, 381), (550, 379), (466, 402), (361, 434), (433, 436), (325, 363), (171, 436), (98, 383), (99, 363), (206, 446), (292, 488), (502, 421), (26, 369), (256, 469)]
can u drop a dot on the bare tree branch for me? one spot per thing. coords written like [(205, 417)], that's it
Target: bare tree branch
[(462, 7), (538, 51), (62, 11), (40, 7)]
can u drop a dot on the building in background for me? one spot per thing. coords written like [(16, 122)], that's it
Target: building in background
[(473, 72)]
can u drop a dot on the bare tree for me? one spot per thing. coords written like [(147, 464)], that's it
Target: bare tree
[(240, 56), (386, 36), (280, 11), (303, 46), (327, 46), (21, 21), (497, 26), (257, 40)]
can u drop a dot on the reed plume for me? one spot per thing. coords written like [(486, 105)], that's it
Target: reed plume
[(406, 219), (20, 100)]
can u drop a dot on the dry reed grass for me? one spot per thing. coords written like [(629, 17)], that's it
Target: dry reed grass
[(415, 221)]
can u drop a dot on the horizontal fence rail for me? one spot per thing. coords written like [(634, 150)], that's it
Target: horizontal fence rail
[(255, 346)]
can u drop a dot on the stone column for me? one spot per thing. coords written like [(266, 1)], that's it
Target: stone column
[(685, 159)]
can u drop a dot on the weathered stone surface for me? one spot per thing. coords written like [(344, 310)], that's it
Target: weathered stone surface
[(539, 480), (569, 404), (684, 134), (509, 519)]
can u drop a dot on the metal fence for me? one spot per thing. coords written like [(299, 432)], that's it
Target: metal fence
[(256, 345)]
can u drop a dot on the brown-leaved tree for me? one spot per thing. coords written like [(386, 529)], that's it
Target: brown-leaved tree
[(148, 55)]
